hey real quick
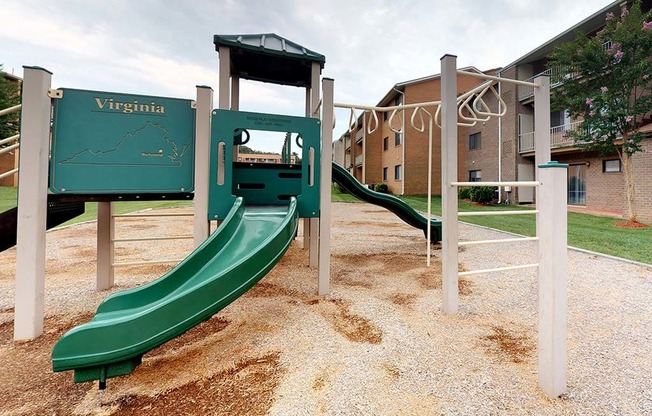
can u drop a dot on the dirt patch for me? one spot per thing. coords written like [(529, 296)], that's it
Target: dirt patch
[(269, 290), (631, 224), (402, 299), (353, 327), (505, 343), (201, 331), (146, 269), (31, 388), (375, 211), (384, 264), (465, 286), (375, 224), (246, 389), (392, 370)]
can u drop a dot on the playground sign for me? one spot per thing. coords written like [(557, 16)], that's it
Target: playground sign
[(108, 143)]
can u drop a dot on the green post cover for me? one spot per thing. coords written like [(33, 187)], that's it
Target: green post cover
[(106, 142)]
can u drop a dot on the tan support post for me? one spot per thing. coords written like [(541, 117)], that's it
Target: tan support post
[(325, 196), (202, 155), (32, 204), (314, 222), (105, 246), (552, 230), (449, 258)]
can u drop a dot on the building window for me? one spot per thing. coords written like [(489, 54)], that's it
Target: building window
[(385, 143), (398, 139), (397, 172), (612, 165), (385, 174), (475, 141), (475, 175), (385, 115)]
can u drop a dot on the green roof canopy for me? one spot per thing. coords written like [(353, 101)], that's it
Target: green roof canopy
[(269, 58)]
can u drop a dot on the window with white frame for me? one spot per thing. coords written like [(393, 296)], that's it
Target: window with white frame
[(612, 165), (475, 175)]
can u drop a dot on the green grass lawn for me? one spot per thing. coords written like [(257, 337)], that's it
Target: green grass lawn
[(8, 200), (585, 231)]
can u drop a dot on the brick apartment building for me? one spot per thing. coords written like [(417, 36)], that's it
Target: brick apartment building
[(501, 148), (400, 160)]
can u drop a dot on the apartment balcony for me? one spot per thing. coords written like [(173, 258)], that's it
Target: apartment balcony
[(527, 93), (358, 160), (559, 138), (347, 144)]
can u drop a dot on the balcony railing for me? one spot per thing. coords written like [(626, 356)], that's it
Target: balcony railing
[(358, 160), (559, 137), (525, 92)]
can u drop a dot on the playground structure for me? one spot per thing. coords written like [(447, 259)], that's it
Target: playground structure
[(221, 191)]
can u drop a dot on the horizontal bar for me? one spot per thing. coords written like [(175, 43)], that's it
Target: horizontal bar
[(504, 240), (174, 237), (9, 148), (10, 110), (11, 172), (513, 183), (10, 139), (176, 214), (499, 79), (495, 212), (498, 269), (386, 109), (142, 263)]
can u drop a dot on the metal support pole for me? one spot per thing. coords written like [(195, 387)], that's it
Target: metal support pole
[(105, 246), (449, 193), (201, 223), (542, 120), (32, 204), (553, 270), (325, 184)]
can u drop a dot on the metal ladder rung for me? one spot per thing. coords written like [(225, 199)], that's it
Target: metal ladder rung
[(498, 269)]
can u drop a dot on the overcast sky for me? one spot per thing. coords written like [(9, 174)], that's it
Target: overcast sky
[(165, 48)]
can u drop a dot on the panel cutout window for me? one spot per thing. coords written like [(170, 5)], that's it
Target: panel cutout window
[(475, 175), (397, 172), (612, 165), (259, 146), (475, 141), (385, 173), (385, 143)]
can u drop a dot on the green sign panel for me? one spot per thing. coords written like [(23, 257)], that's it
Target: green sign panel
[(105, 142)]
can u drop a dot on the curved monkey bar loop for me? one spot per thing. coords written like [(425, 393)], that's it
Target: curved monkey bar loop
[(391, 117)]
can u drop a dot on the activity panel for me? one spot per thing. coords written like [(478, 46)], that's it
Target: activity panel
[(107, 142)]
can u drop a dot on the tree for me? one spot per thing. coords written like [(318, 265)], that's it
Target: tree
[(607, 85), (9, 97)]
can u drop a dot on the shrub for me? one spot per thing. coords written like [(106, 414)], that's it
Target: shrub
[(381, 187), (464, 193), (483, 194)]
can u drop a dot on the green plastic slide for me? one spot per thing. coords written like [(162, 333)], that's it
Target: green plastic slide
[(130, 323), (405, 212)]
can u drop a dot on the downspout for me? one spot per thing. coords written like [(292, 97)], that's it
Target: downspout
[(403, 144), (500, 145)]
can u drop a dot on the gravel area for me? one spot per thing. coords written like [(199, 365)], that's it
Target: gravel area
[(378, 344)]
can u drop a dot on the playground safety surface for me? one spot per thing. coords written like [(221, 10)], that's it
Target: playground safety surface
[(376, 345)]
